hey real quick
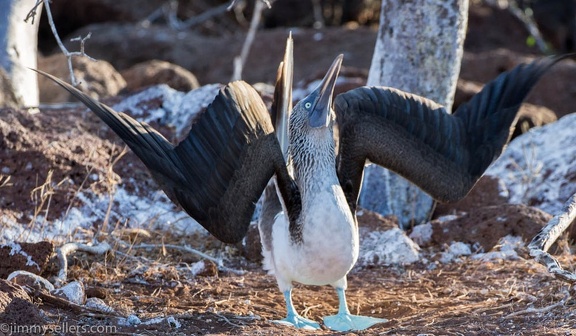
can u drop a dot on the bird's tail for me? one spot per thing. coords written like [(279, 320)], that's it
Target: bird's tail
[(489, 116), (282, 104), (280, 112)]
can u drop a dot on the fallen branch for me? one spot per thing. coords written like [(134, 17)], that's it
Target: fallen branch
[(188, 249), (539, 246), (169, 11), (532, 310), (39, 282), (66, 249), (67, 305)]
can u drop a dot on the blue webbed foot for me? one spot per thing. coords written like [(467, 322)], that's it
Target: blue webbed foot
[(294, 319), (346, 321), (299, 322)]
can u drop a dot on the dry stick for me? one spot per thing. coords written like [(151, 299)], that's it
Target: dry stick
[(526, 18), (39, 196), (59, 41), (32, 13), (76, 308), (318, 17), (239, 61), (233, 3), (38, 280), (548, 235), (193, 251), (64, 250), (112, 189), (5, 181), (170, 10), (178, 24), (228, 321), (532, 310)]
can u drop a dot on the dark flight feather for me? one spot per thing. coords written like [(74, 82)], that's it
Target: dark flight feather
[(443, 154), (218, 172)]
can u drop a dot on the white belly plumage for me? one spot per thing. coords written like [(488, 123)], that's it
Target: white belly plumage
[(328, 250)]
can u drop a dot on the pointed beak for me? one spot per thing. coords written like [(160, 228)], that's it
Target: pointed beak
[(320, 114)]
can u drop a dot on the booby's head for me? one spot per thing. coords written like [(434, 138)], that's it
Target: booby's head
[(317, 106), (311, 135)]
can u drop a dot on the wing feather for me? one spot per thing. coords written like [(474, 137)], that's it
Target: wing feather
[(218, 172), (441, 153)]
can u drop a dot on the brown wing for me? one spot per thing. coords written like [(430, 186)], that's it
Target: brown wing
[(218, 172), (441, 153)]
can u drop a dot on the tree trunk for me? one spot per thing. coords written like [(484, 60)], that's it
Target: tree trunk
[(418, 50), (18, 49)]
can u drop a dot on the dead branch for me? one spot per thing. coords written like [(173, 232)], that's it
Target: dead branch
[(234, 3), (239, 61), (169, 11), (67, 305), (66, 249), (5, 181), (188, 249), (65, 51), (33, 12), (111, 180), (548, 235), (525, 17), (39, 282), (532, 310), (178, 24)]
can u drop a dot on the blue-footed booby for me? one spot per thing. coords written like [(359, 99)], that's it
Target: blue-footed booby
[(308, 224)]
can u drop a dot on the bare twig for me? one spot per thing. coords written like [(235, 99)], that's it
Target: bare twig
[(63, 252), (524, 16), (111, 181), (5, 181), (33, 12), (178, 24), (169, 11), (65, 304), (532, 310), (239, 61), (318, 17), (548, 235), (228, 321), (40, 195), (234, 3), (193, 251), (39, 282), (65, 51)]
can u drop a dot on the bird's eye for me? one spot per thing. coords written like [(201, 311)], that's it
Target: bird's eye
[(308, 105)]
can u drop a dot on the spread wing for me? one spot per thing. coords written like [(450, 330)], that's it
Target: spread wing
[(218, 172), (442, 154)]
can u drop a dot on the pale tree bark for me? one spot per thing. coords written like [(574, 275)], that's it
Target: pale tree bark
[(18, 49), (418, 50)]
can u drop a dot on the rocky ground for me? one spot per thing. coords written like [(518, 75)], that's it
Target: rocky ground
[(64, 176)]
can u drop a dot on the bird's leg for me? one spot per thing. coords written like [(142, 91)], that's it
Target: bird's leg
[(293, 318), (344, 321)]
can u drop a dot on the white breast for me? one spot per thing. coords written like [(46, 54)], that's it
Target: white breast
[(330, 242)]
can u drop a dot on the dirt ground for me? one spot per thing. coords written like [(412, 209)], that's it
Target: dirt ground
[(467, 298), (174, 292)]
